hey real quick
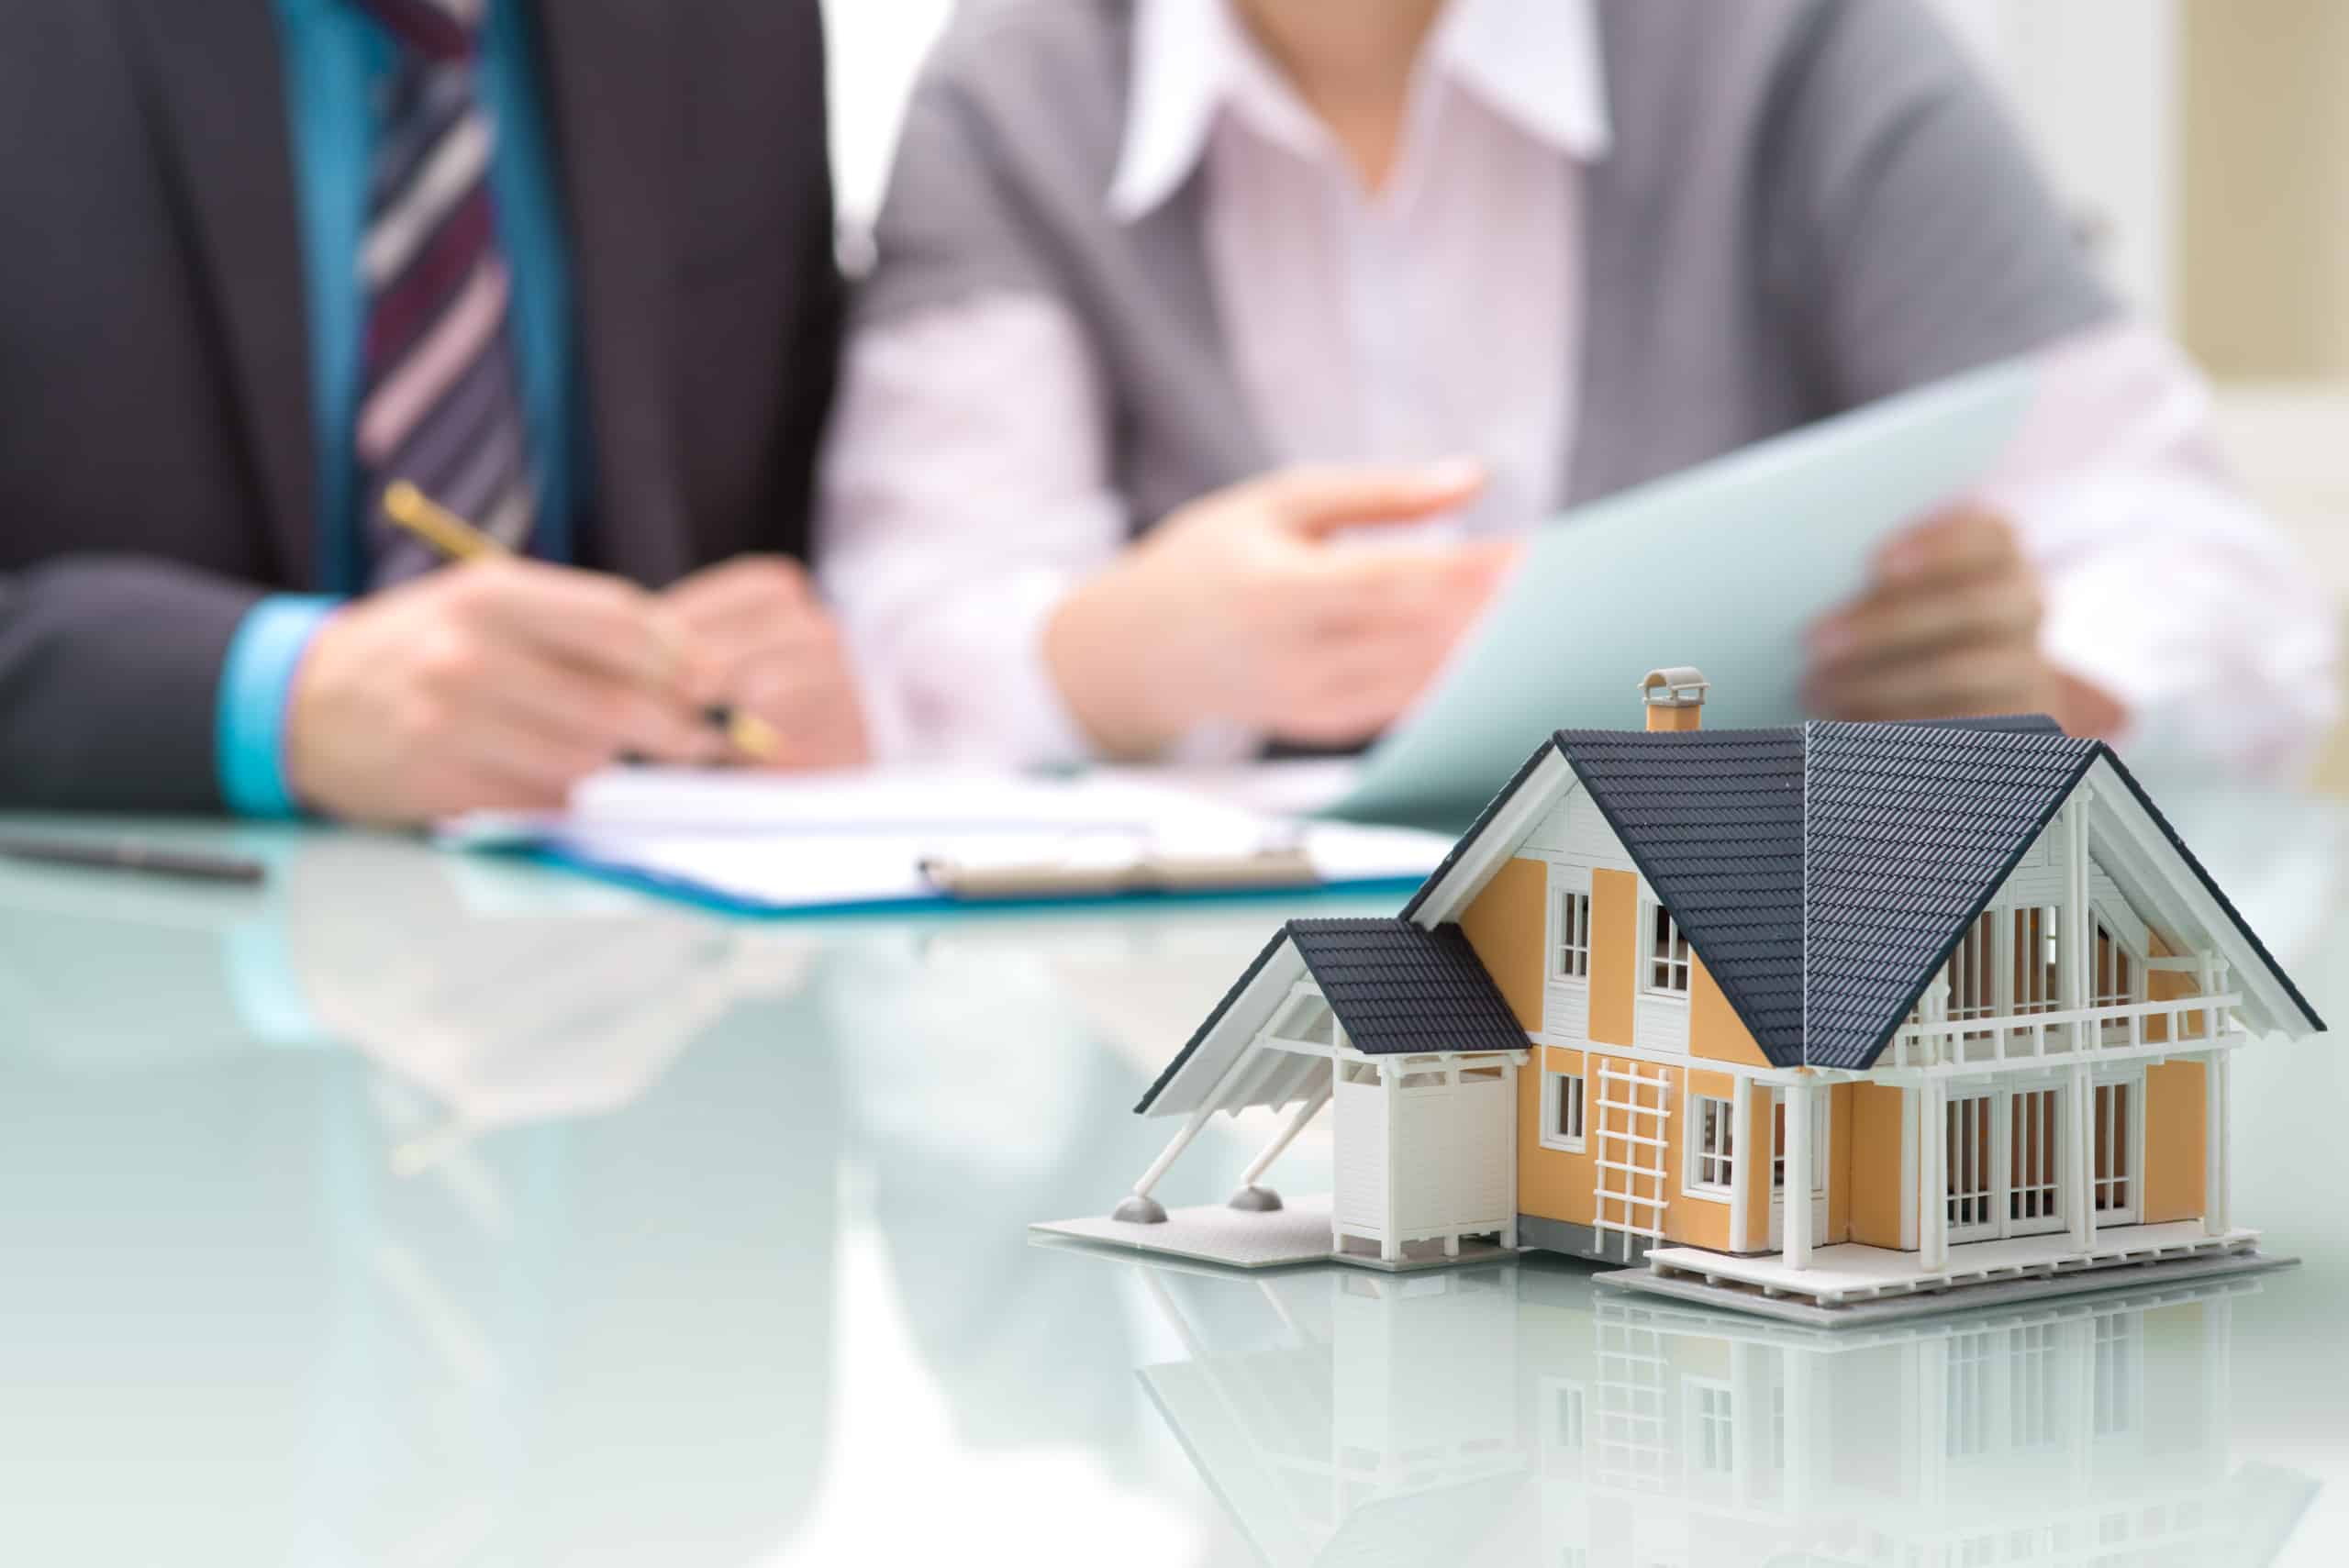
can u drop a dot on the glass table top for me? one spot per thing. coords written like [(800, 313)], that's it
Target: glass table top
[(418, 1210)]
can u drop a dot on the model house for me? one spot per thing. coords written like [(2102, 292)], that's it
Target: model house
[(1802, 1019)]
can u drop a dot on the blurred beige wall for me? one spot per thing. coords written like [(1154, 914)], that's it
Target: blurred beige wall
[(2264, 215)]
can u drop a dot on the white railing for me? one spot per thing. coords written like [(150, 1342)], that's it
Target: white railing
[(2024, 1037)]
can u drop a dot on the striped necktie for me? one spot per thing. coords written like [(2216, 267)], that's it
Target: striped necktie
[(442, 403)]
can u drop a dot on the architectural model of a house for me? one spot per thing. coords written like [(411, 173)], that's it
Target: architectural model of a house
[(1824, 1021)]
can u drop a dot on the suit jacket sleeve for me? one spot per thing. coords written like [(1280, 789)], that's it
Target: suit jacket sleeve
[(109, 676), (812, 366)]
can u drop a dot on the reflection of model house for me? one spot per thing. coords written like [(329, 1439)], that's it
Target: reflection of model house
[(1835, 1013), (1562, 1430), (2051, 1432)]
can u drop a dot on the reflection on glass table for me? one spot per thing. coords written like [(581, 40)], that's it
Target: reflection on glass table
[(1512, 1414)]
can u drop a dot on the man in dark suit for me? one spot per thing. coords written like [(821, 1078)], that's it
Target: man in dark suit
[(566, 266)]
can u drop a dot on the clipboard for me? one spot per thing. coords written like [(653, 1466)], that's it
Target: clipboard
[(901, 842)]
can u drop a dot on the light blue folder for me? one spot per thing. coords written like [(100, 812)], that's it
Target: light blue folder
[(1721, 567)]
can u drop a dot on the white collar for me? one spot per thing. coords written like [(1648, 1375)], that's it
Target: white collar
[(1536, 62)]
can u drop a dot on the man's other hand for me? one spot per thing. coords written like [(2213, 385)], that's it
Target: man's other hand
[(764, 645)]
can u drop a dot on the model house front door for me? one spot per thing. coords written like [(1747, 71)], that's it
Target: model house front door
[(2005, 1160)]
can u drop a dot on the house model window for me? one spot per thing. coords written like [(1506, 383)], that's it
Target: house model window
[(1668, 953), (1572, 956), (1561, 1111), (2115, 1124), (1713, 1153), (2116, 970)]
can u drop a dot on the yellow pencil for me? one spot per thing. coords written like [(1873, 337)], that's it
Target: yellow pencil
[(411, 509)]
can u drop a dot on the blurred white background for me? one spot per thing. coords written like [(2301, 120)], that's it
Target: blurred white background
[(2201, 145)]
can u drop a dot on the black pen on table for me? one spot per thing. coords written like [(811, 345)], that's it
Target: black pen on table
[(129, 854), (427, 520)]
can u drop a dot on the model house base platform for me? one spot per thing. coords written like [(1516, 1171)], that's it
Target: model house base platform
[(1298, 1232), (1845, 1285), (2003, 1285)]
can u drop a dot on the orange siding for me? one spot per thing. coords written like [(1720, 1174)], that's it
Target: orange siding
[(1715, 1030), (1876, 1200), (1555, 1185), (1505, 924), (1754, 1168), (1614, 955), (2174, 1138), (1552, 1182)]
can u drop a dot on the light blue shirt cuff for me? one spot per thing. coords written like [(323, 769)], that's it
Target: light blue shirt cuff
[(254, 685)]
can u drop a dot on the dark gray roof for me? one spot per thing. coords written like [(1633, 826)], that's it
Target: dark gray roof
[(1905, 830), (1714, 820), (1398, 987), (1825, 874), (1910, 829)]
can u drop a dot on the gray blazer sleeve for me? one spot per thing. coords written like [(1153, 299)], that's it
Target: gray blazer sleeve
[(109, 680), (1913, 227)]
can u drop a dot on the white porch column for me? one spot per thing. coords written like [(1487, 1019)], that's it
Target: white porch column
[(1932, 1175), (1742, 1166), (2217, 1070), (1508, 1131), (1307, 1109), (2080, 1159), (1800, 1104), (1390, 1247), (2075, 927)]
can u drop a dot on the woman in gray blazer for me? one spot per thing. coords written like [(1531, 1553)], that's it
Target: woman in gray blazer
[(1218, 349)]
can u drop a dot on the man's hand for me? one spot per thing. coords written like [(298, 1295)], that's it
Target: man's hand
[(1240, 608), (763, 644), (1948, 627), (499, 683)]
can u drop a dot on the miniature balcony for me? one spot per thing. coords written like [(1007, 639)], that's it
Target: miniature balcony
[(2013, 1038)]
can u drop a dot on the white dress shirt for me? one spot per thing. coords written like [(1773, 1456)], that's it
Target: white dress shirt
[(953, 518)]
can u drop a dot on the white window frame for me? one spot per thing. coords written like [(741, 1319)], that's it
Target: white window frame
[(1566, 905), (1555, 1090), (1679, 960), (2131, 1116), (1702, 1124), (2047, 966), (2105, 962)]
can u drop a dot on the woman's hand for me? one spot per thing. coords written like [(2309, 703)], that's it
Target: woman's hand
[(1244, 608)]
